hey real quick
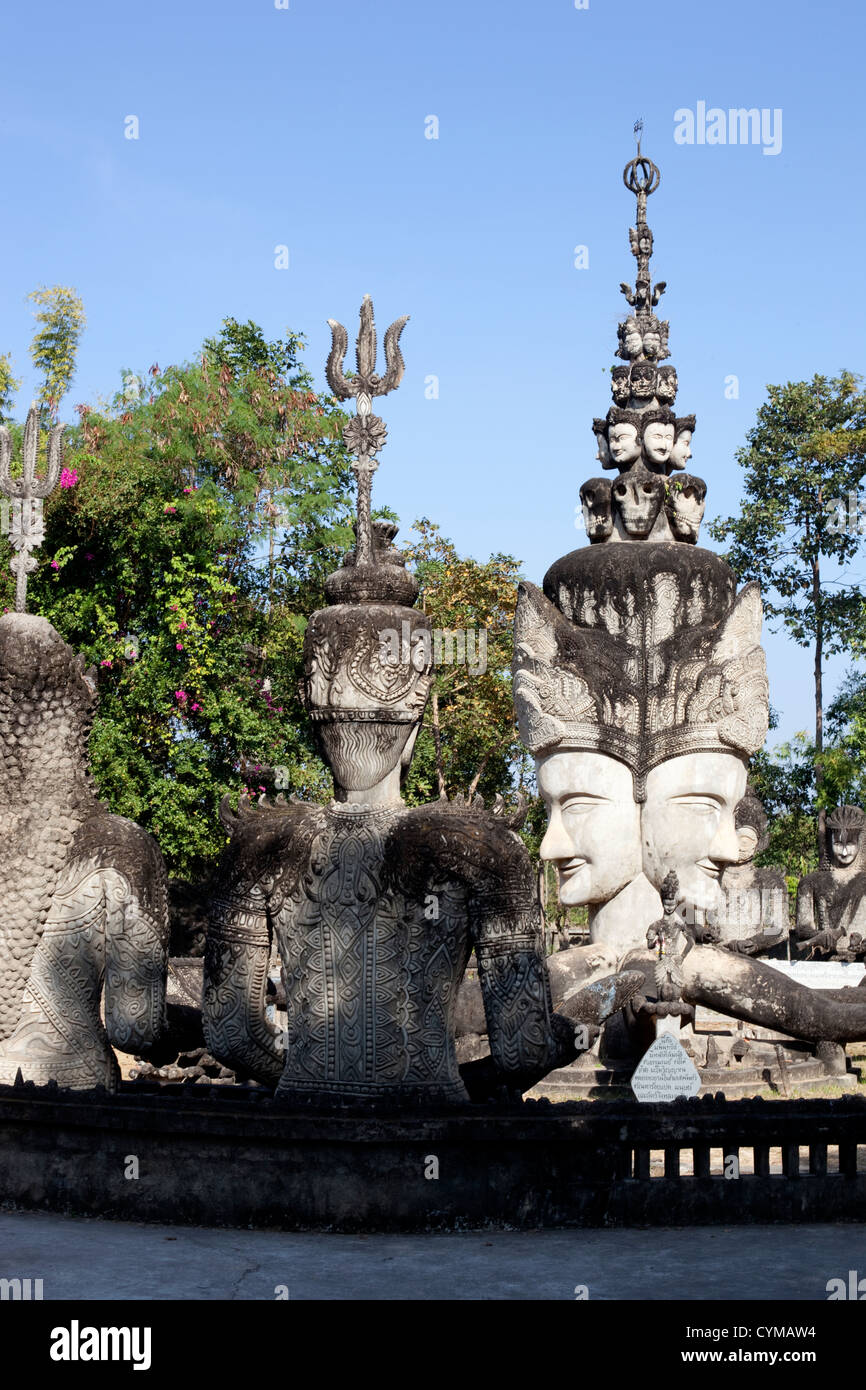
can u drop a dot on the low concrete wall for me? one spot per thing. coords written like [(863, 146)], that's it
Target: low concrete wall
[(228, 1156)]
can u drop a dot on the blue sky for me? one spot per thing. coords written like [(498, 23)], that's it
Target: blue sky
[(305, 127)]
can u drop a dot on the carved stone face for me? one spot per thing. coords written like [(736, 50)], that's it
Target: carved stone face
[(747, 839), (361, 755), (603, 452), (638, 497), (597, 513), (844, 847), (658, 441), (593, 832), (682, 450), (643, 381), (652, 343), (632, 339), (619, 386), (687, 823), (666, 386), (624, 444), (684, 504)]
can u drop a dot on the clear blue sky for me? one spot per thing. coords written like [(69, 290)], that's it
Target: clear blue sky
[(306, 127)]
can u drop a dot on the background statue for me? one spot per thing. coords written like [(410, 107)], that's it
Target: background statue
[(753, 917), (831, 903)]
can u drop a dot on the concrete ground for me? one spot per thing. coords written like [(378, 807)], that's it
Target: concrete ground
[(83, 1258)]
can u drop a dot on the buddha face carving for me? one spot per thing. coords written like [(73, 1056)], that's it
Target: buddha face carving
[(652, 343), (684, 504), (597, 513), (666, 385), (624, 443), (687, 823), (593, 832), (658, 441), (638, 498), (620, 388), (643, 381), (747, 839)]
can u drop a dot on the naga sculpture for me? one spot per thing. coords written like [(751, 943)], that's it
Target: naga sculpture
[(641, 689), (374, 906), (84, 902)]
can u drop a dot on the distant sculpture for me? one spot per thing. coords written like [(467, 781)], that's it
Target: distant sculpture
[(376, 907), (753, 917), (672, 942), (831, 903), (640, 687)]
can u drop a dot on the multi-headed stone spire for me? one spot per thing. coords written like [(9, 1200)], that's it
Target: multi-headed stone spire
[(641, 433)]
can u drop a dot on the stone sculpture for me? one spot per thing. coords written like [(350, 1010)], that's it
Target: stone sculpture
[(375, 907), (753, 916), (84, 891), (640, 687), (831, 903)]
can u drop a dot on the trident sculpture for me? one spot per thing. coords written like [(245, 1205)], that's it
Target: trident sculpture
[(25, 524), (365, 435)]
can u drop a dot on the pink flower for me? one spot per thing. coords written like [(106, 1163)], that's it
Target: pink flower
[(180, 696), (169, 510), (106, 662), (69, 477), (88, 557), (178, 646), (183, 626), (55, 565), (173, 607), (194, 706)]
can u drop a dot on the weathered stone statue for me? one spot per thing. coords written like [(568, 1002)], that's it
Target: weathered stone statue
[(376, 907), (831, 903), (641, 689), (753, 916)]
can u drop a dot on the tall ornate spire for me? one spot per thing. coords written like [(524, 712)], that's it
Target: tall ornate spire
[(26, 528), (641, 435)]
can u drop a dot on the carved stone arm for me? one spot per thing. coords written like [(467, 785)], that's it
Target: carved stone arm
[(236, 1029)]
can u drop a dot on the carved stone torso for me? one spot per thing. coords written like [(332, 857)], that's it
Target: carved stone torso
[(374, 913)]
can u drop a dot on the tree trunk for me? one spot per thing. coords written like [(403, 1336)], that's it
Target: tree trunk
[(473, 785), (819, 707), (437, 740)]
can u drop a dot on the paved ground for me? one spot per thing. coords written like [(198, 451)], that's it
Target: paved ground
[(81, 1258)]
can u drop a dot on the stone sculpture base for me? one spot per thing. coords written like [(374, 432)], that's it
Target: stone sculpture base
[(230, 1156)]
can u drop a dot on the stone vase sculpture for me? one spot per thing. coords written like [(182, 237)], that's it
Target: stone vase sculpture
[(640, 687), (374, 906)]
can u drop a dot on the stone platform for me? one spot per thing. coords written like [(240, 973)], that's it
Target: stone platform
[(231, 1156)]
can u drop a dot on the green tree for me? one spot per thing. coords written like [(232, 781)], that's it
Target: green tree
[(468, 742), (60, 316), (9, 386), (803, 458)]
